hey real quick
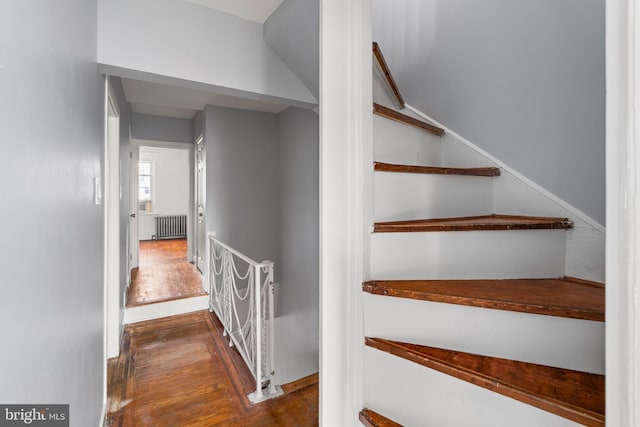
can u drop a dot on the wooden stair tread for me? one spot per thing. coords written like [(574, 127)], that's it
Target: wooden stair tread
[(578, 396), (389, 167), (371, 418), (392, 114), (384, 68), (561, 297), (473, 223)]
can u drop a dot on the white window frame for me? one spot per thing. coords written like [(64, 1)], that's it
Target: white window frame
[(153, 185)]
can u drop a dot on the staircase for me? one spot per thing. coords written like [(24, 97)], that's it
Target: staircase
[(474, 316)]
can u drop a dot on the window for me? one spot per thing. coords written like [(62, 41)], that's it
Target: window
[(145, 186)]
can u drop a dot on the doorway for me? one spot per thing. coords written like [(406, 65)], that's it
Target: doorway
[(161, 232)]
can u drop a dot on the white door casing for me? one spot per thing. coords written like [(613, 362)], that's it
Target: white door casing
[(134, 247), (346, 155), (112, 223)]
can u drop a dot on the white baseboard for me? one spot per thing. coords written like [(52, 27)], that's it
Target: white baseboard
[(102, 422), (165, 309)]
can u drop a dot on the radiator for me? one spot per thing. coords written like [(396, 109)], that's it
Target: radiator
[(171, 227)]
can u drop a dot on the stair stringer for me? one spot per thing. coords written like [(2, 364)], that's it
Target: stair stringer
[(513, 193)]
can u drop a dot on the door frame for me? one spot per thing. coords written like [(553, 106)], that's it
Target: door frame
[(112, 223), (197, 202), (623, 210), (132, 232)]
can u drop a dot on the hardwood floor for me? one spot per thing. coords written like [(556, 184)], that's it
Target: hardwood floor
[(164, 274), (179, 371)]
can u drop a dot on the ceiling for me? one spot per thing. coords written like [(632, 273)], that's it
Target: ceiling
[(171, 101), (253, 10)]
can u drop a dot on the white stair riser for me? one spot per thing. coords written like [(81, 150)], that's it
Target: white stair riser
[(165, 309), (400, 143), (416, 396), (468, 254), (546, 340), (585, 257), (400, 196)]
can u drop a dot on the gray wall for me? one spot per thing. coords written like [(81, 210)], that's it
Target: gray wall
[(198, 125), (262, 199), (157, 128), (242, 186), (293, 31), (524, 80), (52, 112), (298, 246), (125, 146)]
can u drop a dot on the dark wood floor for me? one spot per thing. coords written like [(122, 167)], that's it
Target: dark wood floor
[(179, 371), (164, 274)]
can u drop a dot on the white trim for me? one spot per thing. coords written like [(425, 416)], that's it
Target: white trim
[(134, 225), (111, 232), (623, 214), (104, 278), (112, 223), (102, 422), (165, 309), (345, 142), (152, 175), (200, 234), (549, 195), (162, 144)]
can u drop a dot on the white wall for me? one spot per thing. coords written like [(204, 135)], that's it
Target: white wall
[(293, 32), (196, 46), (52, 248), (171, 189), (297, 341), (523, 80)]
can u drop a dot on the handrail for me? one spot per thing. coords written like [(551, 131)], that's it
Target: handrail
[(243, 300), (386, 72), (235, 252)]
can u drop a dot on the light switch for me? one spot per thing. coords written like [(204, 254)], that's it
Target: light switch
[(97, 191)]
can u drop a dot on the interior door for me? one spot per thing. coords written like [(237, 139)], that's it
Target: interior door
[(133, 207), (201, 235)]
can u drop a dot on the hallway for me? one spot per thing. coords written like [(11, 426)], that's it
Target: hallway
[(164, 274), (179, 371)]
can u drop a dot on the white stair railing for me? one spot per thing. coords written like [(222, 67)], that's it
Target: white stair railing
[(241, 293)]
